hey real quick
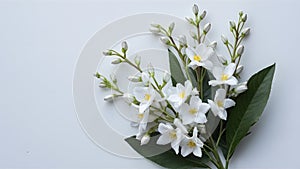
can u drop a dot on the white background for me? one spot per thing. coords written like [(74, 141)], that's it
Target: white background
[(41, 40)]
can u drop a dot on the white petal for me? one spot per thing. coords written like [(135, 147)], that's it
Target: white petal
[(188, 87), (214, 82), (197, 152), (174, 98), (143, 107), (208, 65), (163, 128), (228, 103), (200, 118), (217, 72), (223, 115), (139, 93), (178, 124), (186, 150), (195, 101), (201, 49), (214, 107), (190, 53), (229, 70), (231, 81), (145, 119), (164, 139), (195, 132), (193, 65), (184, 109), (203, 108), (187, 118), (175, 146), (179, 87), (220, 95)]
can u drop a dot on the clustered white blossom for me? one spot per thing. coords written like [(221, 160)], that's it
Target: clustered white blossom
[(178, 113)]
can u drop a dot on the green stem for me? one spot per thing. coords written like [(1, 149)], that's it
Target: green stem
[(216, 154)]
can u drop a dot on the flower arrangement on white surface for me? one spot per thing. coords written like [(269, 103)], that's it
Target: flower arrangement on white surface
[(176, 111)]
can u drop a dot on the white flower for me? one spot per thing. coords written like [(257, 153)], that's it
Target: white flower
[(192, 145), (224, 75), (194, 112), (180, 93), (199, 56), (170, 135), (145, 95), (220, 104)]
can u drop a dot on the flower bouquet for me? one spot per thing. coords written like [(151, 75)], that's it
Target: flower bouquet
[(195, 114)]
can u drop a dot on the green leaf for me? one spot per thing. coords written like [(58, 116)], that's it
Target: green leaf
[(175, 68), (167, 158), (249, 107)]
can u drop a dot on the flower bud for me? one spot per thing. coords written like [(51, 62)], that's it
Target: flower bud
[(165, 40), (182, 40), (193, 35), (245, 31), (195, 9), (224, 39), (102, 85), (107, 53), (97, 75), (109, 97), (171, 27), (166, 77), (202, 16), (145, 139), (155, 25), (244, 18), (124, 46), (213, 44), (206, 28), (116, 61), (134, 78), (137, 60), (154, 30), (190, 20), (239, 69), (240, 88), (240, 50), (232, 24), (241, 13)]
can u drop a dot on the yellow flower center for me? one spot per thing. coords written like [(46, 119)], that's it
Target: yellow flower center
[(197, 58), (181, 95), (220, 103), (173, 135), (193, 111), (147, 97), (191, 144), (140, 116), (224, 77)]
